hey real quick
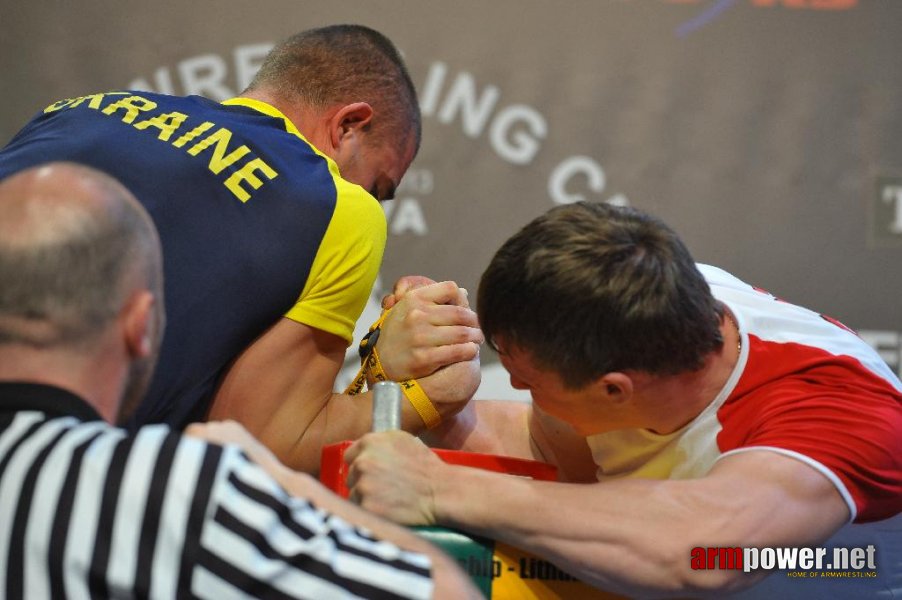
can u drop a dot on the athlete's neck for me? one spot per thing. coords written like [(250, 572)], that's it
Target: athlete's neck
[(670, 403)]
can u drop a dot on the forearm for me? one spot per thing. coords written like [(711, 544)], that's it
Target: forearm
[(300, 428), (280, 387), (487, 426), (635, 536), (516, 429), (297, 435), (341, 417), (620, 536), (611, 536)]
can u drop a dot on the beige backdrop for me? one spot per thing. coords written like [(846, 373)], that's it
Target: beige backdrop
[(768, 132)]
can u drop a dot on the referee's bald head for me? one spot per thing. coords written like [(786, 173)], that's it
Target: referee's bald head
[(81, 295), (74, 243)]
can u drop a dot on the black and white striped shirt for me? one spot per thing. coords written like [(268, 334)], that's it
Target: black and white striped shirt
[(89, 511)]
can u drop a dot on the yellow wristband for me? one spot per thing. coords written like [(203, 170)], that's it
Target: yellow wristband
[(421, 402), (413, 391), (374, 366)]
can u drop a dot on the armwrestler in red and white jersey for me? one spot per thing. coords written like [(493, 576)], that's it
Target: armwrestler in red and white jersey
[(695, 410)]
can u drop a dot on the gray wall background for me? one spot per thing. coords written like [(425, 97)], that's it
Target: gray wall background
[(767, 132)]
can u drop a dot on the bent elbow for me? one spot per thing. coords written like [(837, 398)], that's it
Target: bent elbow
[(714, 583), (671, 574)]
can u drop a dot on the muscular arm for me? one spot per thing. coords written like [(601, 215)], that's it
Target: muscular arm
[(518, 429), (629, 536), (280, 387)]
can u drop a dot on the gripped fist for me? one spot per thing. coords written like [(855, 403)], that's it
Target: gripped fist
[(390, 475), (429, 327), (404, 285), (451, 387)]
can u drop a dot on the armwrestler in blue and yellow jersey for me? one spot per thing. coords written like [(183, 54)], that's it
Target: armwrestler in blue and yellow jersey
[(272, 236), (255, 223)]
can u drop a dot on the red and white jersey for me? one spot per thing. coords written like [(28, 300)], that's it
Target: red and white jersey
[(804, 386)]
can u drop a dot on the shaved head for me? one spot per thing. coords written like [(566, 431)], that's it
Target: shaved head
[(340, 64), (75, 246)]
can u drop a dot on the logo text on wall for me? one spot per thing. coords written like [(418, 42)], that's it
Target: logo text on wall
[(885, 208), (515, 132)]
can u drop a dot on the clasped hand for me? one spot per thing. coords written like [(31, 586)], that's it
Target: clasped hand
[(430, 326)]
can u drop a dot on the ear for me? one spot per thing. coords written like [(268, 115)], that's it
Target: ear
[(618, 387), (137, 322), (349, 120)]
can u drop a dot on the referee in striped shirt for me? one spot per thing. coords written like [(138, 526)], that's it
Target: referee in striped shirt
[(89, 511)]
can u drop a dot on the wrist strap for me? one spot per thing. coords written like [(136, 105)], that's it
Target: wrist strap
[(367, 345), (372, 366), (421, 402)]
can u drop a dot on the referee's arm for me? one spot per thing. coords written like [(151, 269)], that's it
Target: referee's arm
[(447, 578)]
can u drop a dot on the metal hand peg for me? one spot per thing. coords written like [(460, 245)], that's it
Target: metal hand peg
[(386, 406)]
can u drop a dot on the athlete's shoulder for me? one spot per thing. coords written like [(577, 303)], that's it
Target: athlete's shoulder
[(718, 278)]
